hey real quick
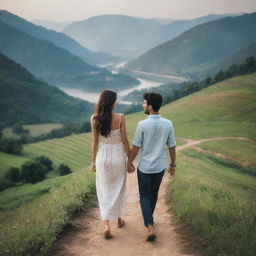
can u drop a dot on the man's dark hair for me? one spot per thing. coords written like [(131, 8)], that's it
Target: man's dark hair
[(154, 99)]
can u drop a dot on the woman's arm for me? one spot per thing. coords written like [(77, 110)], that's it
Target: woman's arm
[(95, 142), (124, 136)]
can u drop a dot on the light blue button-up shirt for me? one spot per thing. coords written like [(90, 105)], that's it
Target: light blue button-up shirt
[(151, 136)]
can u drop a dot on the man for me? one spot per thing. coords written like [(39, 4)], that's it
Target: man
[(151, 137)]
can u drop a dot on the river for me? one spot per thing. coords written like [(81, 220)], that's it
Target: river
[(93, 97)]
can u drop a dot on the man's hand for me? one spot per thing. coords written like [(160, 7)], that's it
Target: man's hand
[(130, 168), (171, 170), (93, 167)]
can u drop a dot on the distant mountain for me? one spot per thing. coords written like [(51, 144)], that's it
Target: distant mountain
[(164, 21), (127, 36), (200, 49), (56, 65), (59, 39), (55, 25), (24, 98), (115, 34)]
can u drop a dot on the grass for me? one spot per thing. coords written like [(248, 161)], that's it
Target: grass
[(217, 203), (236, 150), (34, 130), (37, 223)]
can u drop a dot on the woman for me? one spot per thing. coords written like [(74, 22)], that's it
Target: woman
[(110, 150)]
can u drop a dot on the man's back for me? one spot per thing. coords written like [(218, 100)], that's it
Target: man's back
[(152, 135)]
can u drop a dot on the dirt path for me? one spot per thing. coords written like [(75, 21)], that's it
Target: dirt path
[(84, 237)]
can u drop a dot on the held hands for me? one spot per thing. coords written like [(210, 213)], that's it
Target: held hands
[(130, 168)]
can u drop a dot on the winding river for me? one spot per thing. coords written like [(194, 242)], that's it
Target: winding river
[(93, 97)]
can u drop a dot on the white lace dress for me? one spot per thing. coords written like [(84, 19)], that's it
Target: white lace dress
[(111, 176)]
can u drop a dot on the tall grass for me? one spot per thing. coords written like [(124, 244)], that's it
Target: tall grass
[(206, 197), (34, 226)]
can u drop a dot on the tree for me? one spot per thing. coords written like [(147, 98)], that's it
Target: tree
[(11, 146), (24, 139), (64, 169), (46, 162), (33, 171), (250, 64), (220, 76), (17, 128)]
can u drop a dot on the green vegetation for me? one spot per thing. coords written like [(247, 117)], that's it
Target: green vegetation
[(30, 96), (64, 169), (242, 152), (217, 203), (37, 223), (34, 130), (174, 91), (10, 145)]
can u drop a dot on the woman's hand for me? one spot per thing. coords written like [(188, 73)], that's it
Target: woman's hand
[(93, 167)]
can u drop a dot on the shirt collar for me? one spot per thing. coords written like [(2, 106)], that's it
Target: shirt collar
[(154, 116)]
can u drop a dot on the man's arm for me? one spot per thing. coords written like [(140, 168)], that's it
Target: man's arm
[(172, 168), (134, 152)]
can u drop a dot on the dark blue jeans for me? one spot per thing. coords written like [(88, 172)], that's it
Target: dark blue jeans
[(148, 187)]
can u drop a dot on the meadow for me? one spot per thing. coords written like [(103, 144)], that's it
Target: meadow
[(212, 198)]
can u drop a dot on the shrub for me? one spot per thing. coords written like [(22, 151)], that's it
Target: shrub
[(11, 146), (33, 171), (46, 162), (64, 169)]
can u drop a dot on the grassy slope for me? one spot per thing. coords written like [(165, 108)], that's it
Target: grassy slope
[(225, 109), (34, 130)]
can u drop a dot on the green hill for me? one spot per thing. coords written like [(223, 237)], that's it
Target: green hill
[(199, 49), (211, 194), (59, 39), (26, 99), (237, 57), (55, 65)]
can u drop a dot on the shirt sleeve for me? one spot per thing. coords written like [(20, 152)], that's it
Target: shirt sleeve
[(138, 137), (171, 142)]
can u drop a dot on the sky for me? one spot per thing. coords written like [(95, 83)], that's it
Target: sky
[(73, 10)]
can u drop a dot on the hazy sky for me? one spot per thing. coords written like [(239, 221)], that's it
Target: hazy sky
[(71, 10)]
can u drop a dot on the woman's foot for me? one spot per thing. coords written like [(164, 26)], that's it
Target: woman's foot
[(120, 223), (107, 233)]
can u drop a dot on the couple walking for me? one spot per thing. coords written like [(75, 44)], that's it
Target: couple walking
[(112, 158)]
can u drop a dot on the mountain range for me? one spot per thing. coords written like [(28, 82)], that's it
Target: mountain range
[(202, 49), (59, 39), (128, 36), (56, 65)]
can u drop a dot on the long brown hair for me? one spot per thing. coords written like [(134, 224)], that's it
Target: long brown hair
[(103, 113)]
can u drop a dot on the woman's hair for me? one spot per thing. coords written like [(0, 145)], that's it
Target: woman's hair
[(103, 113)]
